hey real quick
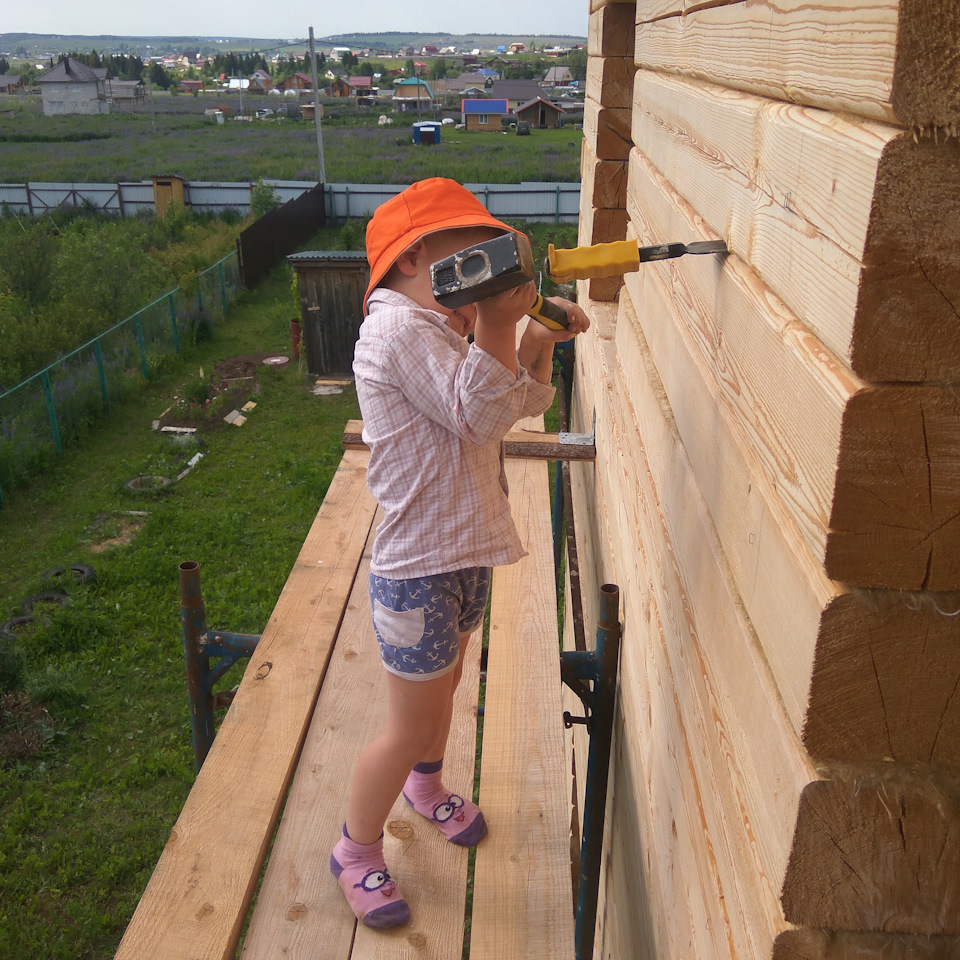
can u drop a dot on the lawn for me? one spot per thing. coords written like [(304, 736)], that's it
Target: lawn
[(97, 736), (171, 135)]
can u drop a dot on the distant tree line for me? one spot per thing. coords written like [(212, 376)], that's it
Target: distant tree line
[(118, 65)]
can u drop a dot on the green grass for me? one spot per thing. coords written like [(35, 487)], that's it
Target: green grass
[(84, 820), (172, 136)]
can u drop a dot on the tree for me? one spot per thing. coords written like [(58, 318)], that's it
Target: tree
[(349, 60), (577, 62), (4, 66), (438, 69), (159, 77)]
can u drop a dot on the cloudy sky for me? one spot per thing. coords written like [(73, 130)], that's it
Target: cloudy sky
[(292, 18)]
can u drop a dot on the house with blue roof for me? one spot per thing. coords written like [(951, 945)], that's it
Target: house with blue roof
[(484, 114)]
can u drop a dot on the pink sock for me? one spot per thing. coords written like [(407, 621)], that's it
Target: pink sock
[(459, 820), (362, 874)]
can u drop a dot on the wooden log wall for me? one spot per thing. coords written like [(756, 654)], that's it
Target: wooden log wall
[(777, 483)]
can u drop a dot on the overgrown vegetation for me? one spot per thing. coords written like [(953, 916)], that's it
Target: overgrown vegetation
[(68, 276)]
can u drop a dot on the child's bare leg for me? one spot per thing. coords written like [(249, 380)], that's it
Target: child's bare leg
[(417, 716), (438, 748), (457, 818)]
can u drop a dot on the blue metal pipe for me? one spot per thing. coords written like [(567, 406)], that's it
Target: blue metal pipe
[(199, 646), (600, 669), (194, 620)]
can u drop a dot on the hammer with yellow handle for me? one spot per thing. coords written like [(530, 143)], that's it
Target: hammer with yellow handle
[(485, 269), (617, 258)]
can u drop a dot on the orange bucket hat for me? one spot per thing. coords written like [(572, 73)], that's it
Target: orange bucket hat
[(424, 207)]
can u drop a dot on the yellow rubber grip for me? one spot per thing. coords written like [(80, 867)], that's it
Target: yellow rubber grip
[(587, 263), (549, 314)]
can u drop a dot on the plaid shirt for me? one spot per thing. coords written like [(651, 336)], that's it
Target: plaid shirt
[(435, 410)]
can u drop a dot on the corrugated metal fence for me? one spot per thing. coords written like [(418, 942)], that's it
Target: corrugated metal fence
[(551, 202), (39, 416)]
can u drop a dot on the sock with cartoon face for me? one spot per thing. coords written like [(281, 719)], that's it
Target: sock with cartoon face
[(362, 873), (459, 820)]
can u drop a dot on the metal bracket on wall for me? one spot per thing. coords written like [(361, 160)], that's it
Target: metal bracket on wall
[(592, 675)]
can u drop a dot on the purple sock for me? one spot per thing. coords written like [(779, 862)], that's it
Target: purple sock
[(362, 873), (459, 820)]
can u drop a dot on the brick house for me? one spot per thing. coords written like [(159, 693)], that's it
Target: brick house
[(72, 87)]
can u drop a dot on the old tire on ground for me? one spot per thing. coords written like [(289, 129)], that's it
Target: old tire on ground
[(18, 627), (147, 485), (80, 572), (46, 598)]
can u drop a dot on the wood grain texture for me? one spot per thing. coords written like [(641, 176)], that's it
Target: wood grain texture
[(807, 944), (881, 59), (842, 661), (300, 911), (869, 474), (610, 30), (815, 204), (197, 899), (606, 130), (603, 183), (610, 81), (885, 680), (521, 905), (706, 898), (878, 850), (533, 444)]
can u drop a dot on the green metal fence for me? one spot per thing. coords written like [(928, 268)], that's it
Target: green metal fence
[(51, 409)]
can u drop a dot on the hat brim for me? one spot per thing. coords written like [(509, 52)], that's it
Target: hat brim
[(389, 256)]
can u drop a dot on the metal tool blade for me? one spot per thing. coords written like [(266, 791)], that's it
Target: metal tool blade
[(706, 246)]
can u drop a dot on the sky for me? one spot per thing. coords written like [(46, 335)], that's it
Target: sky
[(291, 19)]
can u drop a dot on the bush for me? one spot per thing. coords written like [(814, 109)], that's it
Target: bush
[(11, 667)]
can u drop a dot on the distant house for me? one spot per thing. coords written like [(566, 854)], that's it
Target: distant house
[(11, 84), (72, 87), (190, 86), (351, 87), (484, 114), (429, 50), (516, 92), (540, 113), (261, 82), (517, 47), (125, 91), (557, 77), (412, 93), (297, 81)]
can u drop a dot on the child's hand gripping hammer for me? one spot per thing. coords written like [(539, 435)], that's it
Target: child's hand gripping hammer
[(486, 269)]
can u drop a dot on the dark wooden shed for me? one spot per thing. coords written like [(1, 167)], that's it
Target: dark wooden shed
[(330, 284)]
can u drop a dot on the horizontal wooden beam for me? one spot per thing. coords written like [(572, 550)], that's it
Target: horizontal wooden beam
[(883, 59), (519, 444)]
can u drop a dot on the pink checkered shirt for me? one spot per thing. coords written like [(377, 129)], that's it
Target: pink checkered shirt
[(435, 409)]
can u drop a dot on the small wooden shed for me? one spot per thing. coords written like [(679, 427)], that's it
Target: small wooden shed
[(484, 114), (330, 284), (540, 113)]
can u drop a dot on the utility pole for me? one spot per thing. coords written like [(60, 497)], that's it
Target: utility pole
[(316, 110)]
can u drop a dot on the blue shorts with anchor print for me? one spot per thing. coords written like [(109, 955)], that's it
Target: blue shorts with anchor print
[(418, 622)]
